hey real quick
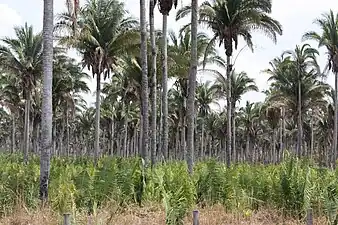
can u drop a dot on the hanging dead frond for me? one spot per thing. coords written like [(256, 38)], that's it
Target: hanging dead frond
[(166, 5)]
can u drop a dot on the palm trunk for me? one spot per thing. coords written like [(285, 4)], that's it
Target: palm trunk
[(183, 133), (202, 138), (233, 124), (312, 138), (284, 133), (139, 146), (54, 138), (229, 112), (192, 88), (335, 127), (154, 83), (26, 127), (165, 134), (281, 135), (47, 111), (177, 143), (300, 130), (273, 150), (13, 133), (61, 135), (67, 132), (145, 92), (160, 154), (112, 136), (97, 118), (125, 137), (247, 145)]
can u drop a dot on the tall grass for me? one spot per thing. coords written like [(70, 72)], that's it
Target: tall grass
[(77, 185)]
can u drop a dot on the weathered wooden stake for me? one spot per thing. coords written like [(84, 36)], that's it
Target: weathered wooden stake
[(195, 217), (309, 219), (66, 219)]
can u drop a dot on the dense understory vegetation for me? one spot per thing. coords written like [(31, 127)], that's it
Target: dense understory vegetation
[(76, 185)]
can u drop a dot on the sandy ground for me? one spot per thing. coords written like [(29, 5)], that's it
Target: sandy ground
[(153, 215)]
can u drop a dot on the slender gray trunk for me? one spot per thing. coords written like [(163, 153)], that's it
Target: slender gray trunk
[(300, 125), (165, 134), (67, 132), (312, 138), (97, 118), (13, 133), (47, 110), (281, 133), (284, 144), (145, 92), (54, 139), (183, 141), (202, 138), (112, 136), (192, 87), (229, 136), (61, 135), (247, 146), (234, 150), (125, 137), (153, 83), (273, 153), (335, 127), (26, 142), (160, 153)]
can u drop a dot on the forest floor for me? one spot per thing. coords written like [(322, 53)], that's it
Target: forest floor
[(154, 215)]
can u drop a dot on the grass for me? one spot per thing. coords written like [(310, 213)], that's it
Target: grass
[(155, 215)]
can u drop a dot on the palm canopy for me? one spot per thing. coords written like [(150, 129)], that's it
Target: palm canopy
[(328, 24), (179, 51), (241, 83), (303, 58), (106, 32), (284, 87), (229, 19), (22, 55), (205, 96), (68, 81)]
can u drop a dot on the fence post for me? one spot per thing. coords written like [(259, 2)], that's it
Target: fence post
[(309, 219), (195, 217), (66, 219)]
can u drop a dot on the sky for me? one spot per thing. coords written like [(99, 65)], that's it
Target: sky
[(296, 17)]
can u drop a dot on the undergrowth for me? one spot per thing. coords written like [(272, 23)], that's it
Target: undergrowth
[(77, 185)]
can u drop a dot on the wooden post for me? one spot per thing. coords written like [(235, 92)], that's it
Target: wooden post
[(309, 219), (195, 217), (66, 219)]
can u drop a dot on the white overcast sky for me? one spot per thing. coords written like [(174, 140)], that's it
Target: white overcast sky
[(296, 16)]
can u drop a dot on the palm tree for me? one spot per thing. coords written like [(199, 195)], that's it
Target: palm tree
[(303, 59), (47, 113), (285, 88), (179, 52), (205, 96), (68, 83), (153, 132), (164, 7), (192, 85), (328, 38), (248, 116), (23, 56), (145, 88), (107, 33), (241, 83), (230, 19)]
